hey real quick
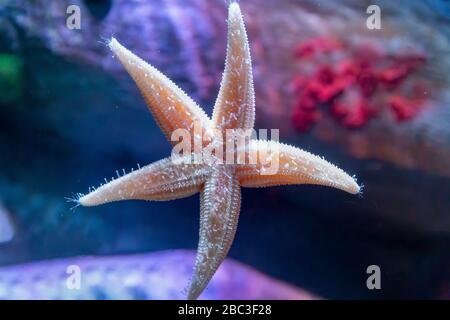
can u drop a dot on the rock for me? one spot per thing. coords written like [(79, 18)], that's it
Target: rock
[(158, 275)]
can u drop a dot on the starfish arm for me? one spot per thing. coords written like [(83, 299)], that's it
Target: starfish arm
[(171, 107), (235, 104), (280, 164), (159, 181), (220, 202)]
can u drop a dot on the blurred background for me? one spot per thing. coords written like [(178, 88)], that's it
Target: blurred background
[(375, 102)]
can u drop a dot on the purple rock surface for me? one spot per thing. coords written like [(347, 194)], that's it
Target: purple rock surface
[(159, 275)]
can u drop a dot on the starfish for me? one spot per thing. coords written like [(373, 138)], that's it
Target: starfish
[(219, 184)]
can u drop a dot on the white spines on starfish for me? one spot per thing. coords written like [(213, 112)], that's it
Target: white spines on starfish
[(171, 107), (281, 164), (220, 202), (235, 104), (159, 181)]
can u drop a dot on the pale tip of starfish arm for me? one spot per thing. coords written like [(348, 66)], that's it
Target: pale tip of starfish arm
[(102, 195), (234, 15), (118, 49), (115, 190), (80, 199), (234, 8), (113, 44), (337, 178), (86, 201), (351, 186)]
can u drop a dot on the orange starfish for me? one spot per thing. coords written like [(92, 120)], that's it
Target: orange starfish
[(218, 183)]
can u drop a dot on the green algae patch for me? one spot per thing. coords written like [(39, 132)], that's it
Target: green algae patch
[(11, 78)]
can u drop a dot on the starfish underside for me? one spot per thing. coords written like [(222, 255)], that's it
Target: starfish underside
[(219, 184)]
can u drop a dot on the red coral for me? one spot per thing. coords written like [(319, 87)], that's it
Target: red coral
[(364, 71), (311, 47), (357, 116), (368, 82), (305, 119), (403, 108)]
